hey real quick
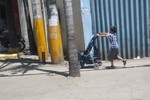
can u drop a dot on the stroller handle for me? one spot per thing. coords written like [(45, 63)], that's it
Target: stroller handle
[(91, 44)]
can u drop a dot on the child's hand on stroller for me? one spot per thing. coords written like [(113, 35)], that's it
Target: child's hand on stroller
[(97, 34), (102, 34)]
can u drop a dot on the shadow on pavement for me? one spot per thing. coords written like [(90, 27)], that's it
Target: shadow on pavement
[(20, 67), (23, 65), (91, 68)]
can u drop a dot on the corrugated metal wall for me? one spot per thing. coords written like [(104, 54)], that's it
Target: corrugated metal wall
[(131, 17)]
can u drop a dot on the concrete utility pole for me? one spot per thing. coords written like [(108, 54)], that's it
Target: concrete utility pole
[(55, 40), (23, 23), (39, 30), (74, 69), (32, 44)]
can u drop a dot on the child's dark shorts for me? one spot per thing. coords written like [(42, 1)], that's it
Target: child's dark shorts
[(113, 53)]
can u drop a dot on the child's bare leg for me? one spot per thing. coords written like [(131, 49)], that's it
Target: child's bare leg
[(112, 63), (120, 58), (124, 60)]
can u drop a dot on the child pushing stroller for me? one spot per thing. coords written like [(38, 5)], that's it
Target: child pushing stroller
[(113, 46), (85, 57)]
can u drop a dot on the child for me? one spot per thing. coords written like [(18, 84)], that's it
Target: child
[(113, 45)]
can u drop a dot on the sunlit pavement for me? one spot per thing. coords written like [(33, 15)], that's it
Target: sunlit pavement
[(27, 79)]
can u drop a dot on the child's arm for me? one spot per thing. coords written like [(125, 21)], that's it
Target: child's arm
[(102, 34)]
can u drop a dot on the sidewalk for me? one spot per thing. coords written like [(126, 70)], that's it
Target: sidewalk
[(26, 79)]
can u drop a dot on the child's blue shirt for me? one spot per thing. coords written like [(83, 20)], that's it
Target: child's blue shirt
[(112, 38)]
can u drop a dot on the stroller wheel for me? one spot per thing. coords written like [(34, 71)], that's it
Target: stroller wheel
[(81, 64), (97, 64)]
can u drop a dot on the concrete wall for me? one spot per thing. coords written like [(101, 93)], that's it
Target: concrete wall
[(77, 23)]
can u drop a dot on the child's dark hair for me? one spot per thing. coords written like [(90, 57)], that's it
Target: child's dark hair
[(113, 29)]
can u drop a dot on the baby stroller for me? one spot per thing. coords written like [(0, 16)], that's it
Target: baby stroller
[(85, 57)]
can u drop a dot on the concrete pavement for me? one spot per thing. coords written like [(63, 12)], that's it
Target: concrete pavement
[(26, 79)]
